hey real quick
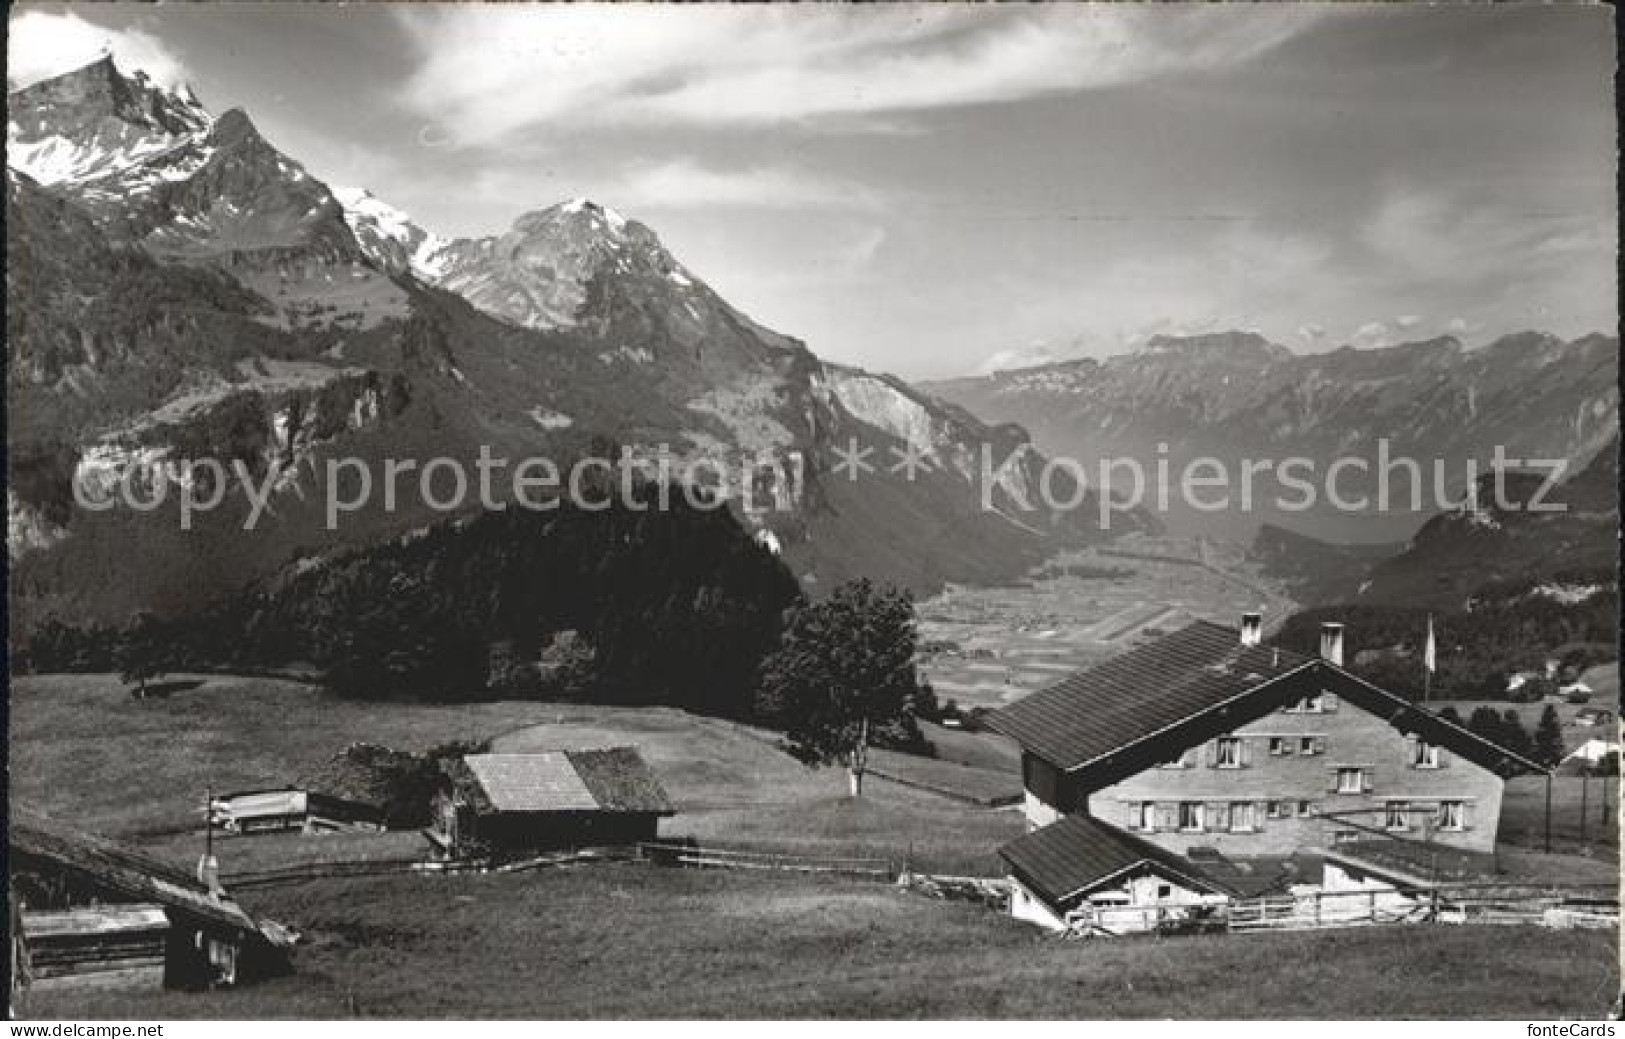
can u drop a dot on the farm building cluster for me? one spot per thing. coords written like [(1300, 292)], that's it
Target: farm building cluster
[(87, 910), (1164, 790), (1175, 777)]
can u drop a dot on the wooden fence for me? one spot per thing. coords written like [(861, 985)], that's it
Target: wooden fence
[(385, 867), (677, 854), (1326, 909)]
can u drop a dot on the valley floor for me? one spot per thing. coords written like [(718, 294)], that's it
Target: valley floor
[(993, 646)]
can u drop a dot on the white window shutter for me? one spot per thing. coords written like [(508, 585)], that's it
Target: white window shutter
[(1246, 752), (1412, 746), (1443, 756), (1212, 749), (1328, 701), (1365, 780), (1331, 782), (1466, 815)]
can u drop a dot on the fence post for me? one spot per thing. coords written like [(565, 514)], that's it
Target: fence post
[(1548, 813)]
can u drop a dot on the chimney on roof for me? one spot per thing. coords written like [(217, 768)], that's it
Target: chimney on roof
[(1331, 643), (208, 874), (1252, 629)]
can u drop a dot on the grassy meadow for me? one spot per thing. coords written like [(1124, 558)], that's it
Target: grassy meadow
[(638, 941)]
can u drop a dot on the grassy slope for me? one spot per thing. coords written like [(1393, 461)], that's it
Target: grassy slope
[(81, 746), (640, 942), (631, 941)]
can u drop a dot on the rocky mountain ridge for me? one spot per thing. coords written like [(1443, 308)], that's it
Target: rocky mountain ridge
[(184, 289)]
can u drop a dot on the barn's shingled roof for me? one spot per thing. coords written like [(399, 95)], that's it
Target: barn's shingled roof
[(1076, 853), (1155, 687), (613, 779), (121, 868)]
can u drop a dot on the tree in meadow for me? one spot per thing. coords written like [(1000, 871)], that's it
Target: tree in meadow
[(842, 678)]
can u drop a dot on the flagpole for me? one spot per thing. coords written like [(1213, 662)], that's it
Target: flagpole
[(1429, 661)]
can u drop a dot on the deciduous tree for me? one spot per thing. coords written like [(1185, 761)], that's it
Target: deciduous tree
[(842, 678)]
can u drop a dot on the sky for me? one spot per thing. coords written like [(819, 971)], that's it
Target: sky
[(936, 190)]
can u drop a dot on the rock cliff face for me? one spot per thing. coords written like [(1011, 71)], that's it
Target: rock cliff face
[(183, 290)]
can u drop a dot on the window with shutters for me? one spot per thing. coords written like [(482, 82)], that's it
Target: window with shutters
[(1350, 780), (1228, 752), (1243, 818), (1280, 746), (1424, 754), (1276, 810), (1148, 816), (1398, 816), (1190, 816), (1306, 809), (1310, 745), (1451, 816)]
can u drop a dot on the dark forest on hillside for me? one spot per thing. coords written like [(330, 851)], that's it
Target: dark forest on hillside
[(1509, 626), (654, 606)]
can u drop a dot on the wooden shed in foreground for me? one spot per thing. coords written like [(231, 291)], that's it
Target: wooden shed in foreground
[(503, 805), (91, 910)]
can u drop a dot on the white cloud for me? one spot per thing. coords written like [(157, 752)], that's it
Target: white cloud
[(1407, 321), (1371, 335), (490, 70), (1019, 357), (684, 183), (43, 45)]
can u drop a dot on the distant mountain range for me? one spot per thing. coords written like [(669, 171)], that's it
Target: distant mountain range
[(180, 288), (1236, 395)]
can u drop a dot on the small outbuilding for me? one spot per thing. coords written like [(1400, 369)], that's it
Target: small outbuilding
[(94, 911), (356, 789), (505, 805), (1079, 873)]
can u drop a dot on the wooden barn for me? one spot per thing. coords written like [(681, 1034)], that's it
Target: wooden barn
[(89, 910), (505, 805)]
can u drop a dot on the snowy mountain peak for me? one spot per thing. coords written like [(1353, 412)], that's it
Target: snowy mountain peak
[(389, 236), (594, 211), (96, 120)]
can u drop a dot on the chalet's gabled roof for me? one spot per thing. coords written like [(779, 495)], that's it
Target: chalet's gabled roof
[(1119, 701), (1140, 695), (614, 779), (120, 867), (1077, 853)]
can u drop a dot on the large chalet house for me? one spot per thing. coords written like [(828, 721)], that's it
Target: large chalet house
[(1208, 740)]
